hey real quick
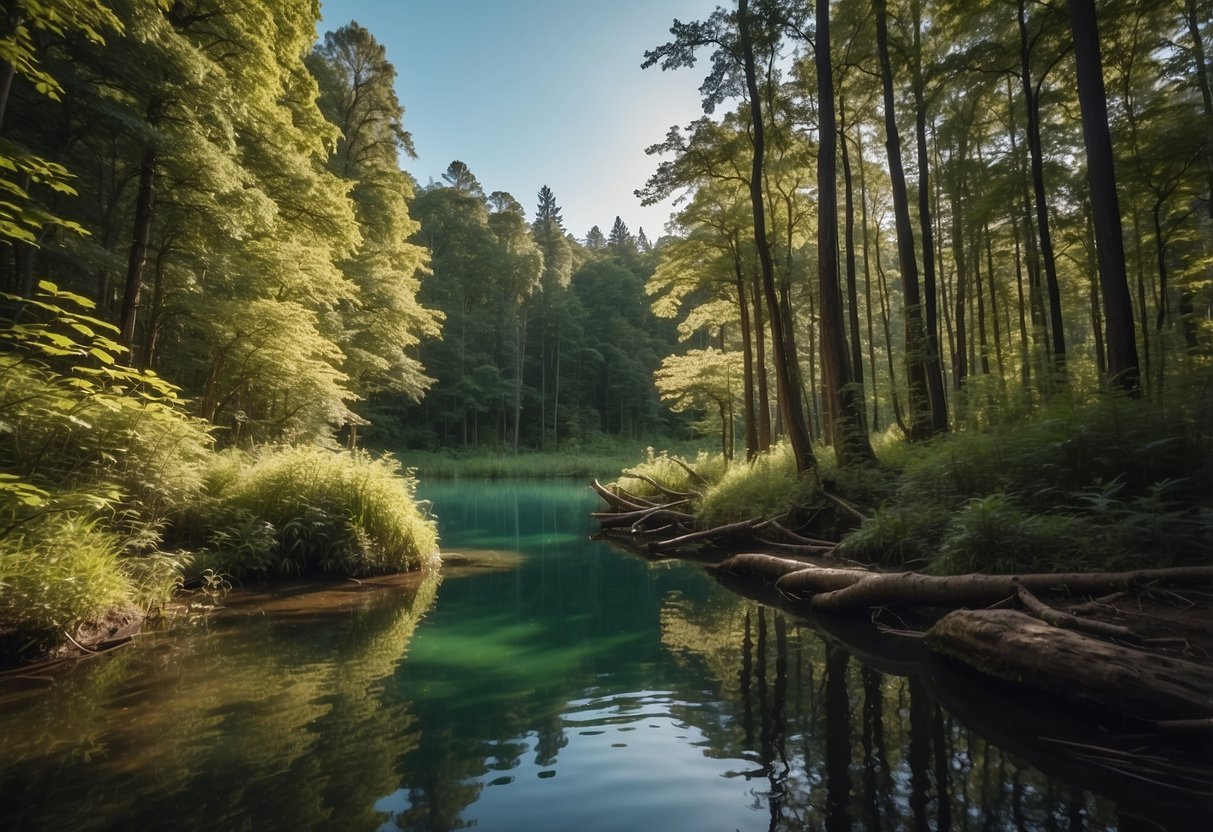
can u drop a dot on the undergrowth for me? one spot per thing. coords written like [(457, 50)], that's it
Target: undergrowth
[(303, 510), (1109, 483)]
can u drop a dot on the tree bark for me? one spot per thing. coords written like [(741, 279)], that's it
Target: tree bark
[(934, 372), (144, 204), (1019, 648), (1101, 174), (917, 349), (846, 402), (1058, 344), (789, 384)]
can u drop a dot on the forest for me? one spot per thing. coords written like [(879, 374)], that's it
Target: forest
[(946, 267)]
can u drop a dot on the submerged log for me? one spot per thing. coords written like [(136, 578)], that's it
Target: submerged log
[(1017, 647)]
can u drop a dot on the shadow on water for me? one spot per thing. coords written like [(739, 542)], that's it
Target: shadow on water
[(547, 682)]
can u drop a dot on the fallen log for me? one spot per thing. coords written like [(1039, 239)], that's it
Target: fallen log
[(793, 549), (1014, 646), (876, 589), (767, 567)]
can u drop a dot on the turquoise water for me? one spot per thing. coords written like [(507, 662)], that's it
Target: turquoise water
[(551, 684)]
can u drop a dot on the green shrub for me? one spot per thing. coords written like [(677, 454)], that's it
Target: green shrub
[(765, 487), (54, 576), (898, 535), (661, 467), (308, 510)]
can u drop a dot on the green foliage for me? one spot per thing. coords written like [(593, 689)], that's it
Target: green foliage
[(660, 466), (57, 573), (765, 487), (898, 536), (1114, 483), (309, 510)]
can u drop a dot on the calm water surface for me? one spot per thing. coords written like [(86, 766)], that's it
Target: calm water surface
[(555, 685)]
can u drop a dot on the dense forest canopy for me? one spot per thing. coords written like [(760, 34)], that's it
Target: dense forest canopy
[(241, 216)]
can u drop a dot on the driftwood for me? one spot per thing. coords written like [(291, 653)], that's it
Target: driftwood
[(617, 519), (694, 475), (875, 589), (1069, 621), (1014, 646), (846, 507), (794, 536), (727, 530), (623, 503)]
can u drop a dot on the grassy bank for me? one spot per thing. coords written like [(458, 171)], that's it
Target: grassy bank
[(1106, 484), (111, 495)]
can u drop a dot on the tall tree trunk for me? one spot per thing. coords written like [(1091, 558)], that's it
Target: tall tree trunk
[(763, 402), (789, 385), (849, 244), (747, 356), (867, 279), (519, 367), (1101, 174), (1192, 18), (1058, 344), (917, 349), (935, 389), (885, 316), (846, 398), (960, 359), (144, 203)]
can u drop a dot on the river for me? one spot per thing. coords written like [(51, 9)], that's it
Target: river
[(545, 682)]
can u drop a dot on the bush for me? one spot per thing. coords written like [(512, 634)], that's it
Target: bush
[(900, 535), (309, 510), (765, 487), (54, 576), (661, 467)]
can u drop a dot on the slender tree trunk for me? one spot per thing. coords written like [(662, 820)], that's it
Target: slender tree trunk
[(849, 243), (885, 316), (144, 203), (867, 280), (747, 357), (846, 399), (1058, 345), (789, 385), (1118, 308), (960, 361), (917, 348), (763, 402), (519, 367), (1192, 18), (998, 357), (934, 372)]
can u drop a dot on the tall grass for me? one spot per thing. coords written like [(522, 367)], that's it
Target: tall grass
[(55, 575), (310, 510)]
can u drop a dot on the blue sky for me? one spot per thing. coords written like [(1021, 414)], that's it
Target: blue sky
[(535, 92)]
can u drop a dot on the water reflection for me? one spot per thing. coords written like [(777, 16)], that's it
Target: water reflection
[(254, 722), (568, 687)]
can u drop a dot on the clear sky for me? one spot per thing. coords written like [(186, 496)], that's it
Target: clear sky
[(537, 92)]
